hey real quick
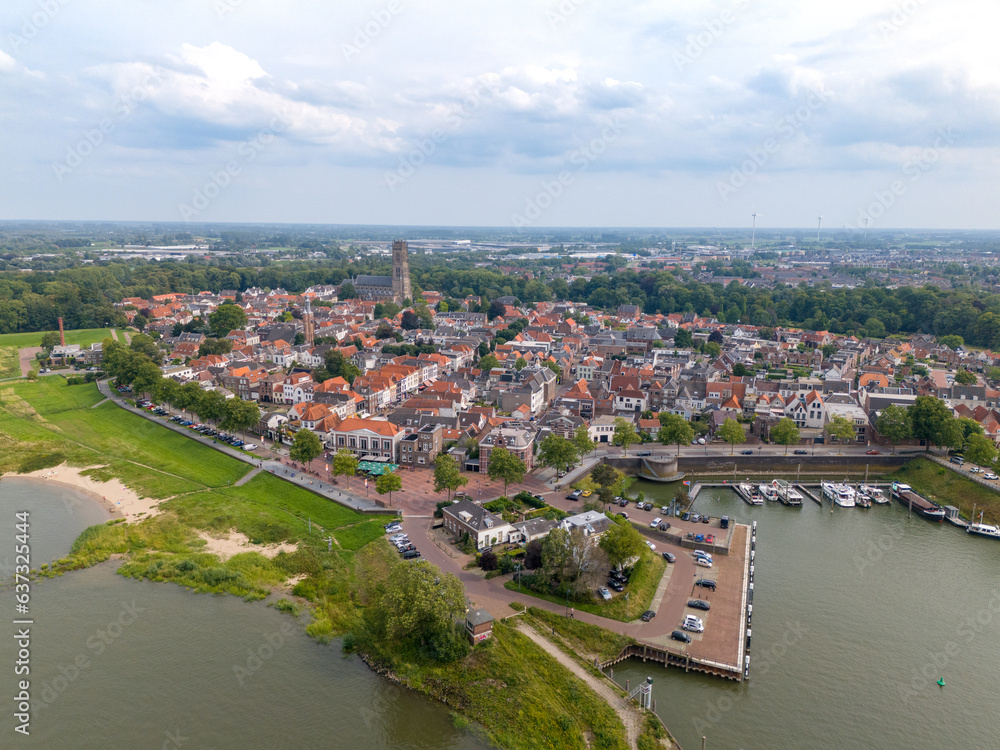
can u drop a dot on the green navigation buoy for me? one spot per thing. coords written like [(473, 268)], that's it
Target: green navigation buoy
[(941, 682)]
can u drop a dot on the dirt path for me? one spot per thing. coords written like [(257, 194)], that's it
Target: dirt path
[(629, 714), (114, 334), (26, 355)]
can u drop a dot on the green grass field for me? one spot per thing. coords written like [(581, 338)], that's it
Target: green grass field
[(83, 337)]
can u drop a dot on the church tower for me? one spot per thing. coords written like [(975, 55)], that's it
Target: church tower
[(400, 272)]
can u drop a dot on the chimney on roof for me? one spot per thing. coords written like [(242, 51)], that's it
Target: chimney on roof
[(62, 334)]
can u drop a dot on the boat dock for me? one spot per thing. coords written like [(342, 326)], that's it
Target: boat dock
[(723, 649), (805, 491), (952, 517)]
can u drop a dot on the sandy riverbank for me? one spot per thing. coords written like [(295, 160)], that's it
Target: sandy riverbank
[(113, 495), (233, 543)]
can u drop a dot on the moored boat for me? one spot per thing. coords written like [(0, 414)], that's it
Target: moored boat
[(927, 508), (840, 494), (875, 493), (983, 529)]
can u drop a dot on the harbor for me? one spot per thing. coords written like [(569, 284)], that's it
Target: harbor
[(801, 659)]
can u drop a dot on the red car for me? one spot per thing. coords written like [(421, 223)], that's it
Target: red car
[(871, 452), (710, 538)]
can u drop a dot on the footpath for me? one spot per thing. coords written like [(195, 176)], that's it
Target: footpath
[(278, 469)]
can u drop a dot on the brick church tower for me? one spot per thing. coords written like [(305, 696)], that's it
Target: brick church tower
[(400, 272)]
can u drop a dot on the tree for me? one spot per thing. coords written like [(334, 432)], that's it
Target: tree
[(227, 317), (506, 466), (928, 417), (418, 602), (715, 337), (240, 415), (964, 377), (785, 433), (488, 561), (952, 435), (993, 373), (215, 346), (952, 341), (683, 339), (533, 554), (306, 447), (50, 339), (712, 349), (556, 554), (496, 309), (674, 429), (582, 441), (980, 450), (488, 362), (385, 331), (388, 482), (210, 407), (520, 364), (894, 425), (447, 474), (875, 328), (732, 432), (625, 434), (622, 542), (347, 291), (604, 475), (555, 368), (410, 321), (146, 346), (740, 369), (842, 429), (344, 463), (147, 377), (557, 452)]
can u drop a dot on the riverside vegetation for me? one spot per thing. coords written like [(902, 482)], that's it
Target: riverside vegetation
[(514, 693)]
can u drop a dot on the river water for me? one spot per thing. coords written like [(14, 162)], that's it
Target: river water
[(117, 663), (857, 614)]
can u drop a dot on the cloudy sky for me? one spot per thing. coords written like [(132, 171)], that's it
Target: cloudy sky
[(502, 112)]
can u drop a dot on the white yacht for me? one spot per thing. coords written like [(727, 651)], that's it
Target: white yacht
[(984, 529), (769, 491), (840, 494), (875, 493)]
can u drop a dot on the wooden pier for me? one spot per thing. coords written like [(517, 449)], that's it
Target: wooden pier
[(672, 658), (802, 488)]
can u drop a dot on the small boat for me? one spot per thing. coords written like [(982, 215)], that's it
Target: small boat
[(787, 494), (769, 492), (746, 491), (862, 499), (874, 493), (983, 529)]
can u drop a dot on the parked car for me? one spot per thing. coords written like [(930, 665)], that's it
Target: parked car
[(250, 447), (623, 501), (669, 557), (871, 452), (957, 460), (655, 523), (651, 546), (623, 514), (686, 516), (410, 554), (648, 615), (702, 562), (800, 452), (747, 452), (702, 553), (710, 538), (616, 585), (706, 583), (699, 604), (604, 593), (706, 519), (574, 495), (587, 493), (696, 518), (976, 470), (694, 620), (644, 453), (680, 635), (538, 497), (990, 475), (692, 626)]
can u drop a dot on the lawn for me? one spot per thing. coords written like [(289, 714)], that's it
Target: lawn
[(642, 585), (521, 695), (582, 638), (9, 365), (948, 487), (82, 336)]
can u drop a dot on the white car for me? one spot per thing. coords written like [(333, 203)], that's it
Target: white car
[(604, 593), (651, 546), (990, 475), (701, 561), (694, 627), (249, 447), (976, 470), (655, 523), (693, 620)]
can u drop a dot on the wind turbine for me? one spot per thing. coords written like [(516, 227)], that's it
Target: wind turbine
[(819, 223), (753, 231)]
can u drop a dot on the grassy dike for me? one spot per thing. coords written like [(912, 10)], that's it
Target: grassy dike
[(518, 695), (947, 487)]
